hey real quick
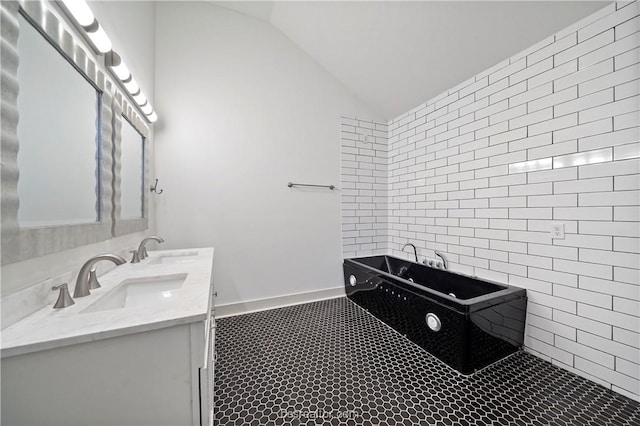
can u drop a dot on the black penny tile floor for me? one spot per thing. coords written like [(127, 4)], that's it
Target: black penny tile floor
[(330, 362)]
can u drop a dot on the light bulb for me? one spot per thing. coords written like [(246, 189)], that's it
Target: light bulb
[(100, 40), (80, 11), (131, 85), (147, 108), (140, 98), (118, 66), (152, 117)]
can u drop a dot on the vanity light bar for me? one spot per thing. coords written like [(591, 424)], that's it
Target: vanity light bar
[(79, 11), (115, 63)]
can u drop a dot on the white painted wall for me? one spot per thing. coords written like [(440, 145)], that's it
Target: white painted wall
[(243, 112), (130, 26)]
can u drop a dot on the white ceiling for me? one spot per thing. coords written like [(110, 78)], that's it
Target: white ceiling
[(395, 55)]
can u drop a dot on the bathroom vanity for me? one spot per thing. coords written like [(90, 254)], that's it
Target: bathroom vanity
[(138, 350)]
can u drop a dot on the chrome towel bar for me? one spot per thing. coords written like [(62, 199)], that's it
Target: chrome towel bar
[(290, 184)]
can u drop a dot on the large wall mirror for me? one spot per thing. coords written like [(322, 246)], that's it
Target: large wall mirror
[(61, 184), (131, 154), (131, 171), (59, 140)]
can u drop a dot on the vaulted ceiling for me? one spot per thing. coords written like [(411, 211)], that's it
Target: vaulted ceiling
[(395, 55)]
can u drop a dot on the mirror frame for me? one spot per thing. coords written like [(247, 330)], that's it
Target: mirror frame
[(20, 244), (121, 106)]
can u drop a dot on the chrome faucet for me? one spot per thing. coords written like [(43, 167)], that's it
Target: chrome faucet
[(86, 276), (142, 249), (415, 251), (445, 264)]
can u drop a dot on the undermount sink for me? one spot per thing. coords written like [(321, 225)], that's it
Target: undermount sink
[(139, 292), (186, 257)]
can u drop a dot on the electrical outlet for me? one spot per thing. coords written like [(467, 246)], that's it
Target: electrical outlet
[(557, 231), (363, 138)]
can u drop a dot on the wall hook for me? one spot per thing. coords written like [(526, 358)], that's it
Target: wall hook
[(154, 188)]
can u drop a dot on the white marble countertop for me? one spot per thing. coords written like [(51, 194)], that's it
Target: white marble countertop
[(50, 328)]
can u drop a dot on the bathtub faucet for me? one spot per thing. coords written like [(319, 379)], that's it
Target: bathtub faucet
[(445, 264), (415, 251)]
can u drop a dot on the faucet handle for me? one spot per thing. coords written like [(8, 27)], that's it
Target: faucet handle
[(135, 258), (93, 280), (64, 298)]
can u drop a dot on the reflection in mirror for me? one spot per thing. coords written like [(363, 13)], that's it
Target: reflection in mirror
[(58, 136), (131, 172)]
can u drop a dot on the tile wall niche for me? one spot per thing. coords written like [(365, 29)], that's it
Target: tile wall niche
[(483, 171)]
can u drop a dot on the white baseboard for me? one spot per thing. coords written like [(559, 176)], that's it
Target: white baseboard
[(240, 308)]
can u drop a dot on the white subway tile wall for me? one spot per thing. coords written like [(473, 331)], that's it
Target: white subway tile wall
[(364, 187), (482, 171)]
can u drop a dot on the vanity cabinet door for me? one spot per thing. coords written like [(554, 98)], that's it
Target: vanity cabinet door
[(207, 376), (136, 379), (212, 369)]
